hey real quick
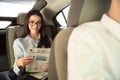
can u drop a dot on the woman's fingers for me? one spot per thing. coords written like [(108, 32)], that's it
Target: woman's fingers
[(24, 61), (45, 67), (27, 60)]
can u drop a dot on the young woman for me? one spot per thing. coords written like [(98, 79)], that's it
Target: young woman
[(33, 36)]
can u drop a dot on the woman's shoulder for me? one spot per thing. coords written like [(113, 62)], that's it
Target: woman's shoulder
[(17, 40), (21, 39)]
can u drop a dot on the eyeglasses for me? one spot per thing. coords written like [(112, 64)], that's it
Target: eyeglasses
[(32, 23)]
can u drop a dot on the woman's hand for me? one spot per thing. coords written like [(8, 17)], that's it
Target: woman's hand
[(24, 61), (45, 67)]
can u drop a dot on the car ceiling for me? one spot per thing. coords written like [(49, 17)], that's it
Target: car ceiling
[(11, 8), (49, 11)]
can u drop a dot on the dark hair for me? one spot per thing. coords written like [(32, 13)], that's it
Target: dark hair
[(44, 40)]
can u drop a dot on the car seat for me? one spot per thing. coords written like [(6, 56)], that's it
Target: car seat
[(81, 11), (12, 33)]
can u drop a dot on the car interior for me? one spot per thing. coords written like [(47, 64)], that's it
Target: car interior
[(59, 25)]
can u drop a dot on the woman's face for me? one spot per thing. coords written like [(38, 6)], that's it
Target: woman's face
[(34, 24)]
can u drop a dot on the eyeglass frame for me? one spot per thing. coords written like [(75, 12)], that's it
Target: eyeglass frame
[(32, 23)]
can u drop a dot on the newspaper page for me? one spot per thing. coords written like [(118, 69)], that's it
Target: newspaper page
[(41, 57)]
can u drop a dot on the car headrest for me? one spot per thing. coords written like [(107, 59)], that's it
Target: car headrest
[(86, 10), (21, 18)]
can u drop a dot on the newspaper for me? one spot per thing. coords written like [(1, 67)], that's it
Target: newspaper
[(41, 56)]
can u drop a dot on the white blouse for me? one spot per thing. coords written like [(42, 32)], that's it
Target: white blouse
[(20, 46)]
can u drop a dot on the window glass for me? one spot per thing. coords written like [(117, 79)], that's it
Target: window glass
[(11, 8), (62, 17), (61, 20), (4, 24), (65, 11)]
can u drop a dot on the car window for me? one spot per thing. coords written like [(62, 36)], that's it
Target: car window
[(4, 24), (62, 17), (11, 8)]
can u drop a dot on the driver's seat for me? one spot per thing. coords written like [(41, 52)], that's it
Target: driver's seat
[(81, 11)]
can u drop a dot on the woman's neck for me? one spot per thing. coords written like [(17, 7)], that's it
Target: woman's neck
[(34, 36)]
